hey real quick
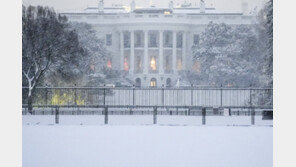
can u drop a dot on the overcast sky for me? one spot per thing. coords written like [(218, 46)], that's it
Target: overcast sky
[(221, 5)]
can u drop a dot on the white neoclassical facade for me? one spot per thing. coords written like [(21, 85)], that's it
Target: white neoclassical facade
[(154, 44)]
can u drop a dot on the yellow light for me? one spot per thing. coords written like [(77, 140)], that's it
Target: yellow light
[(153, 63), (167, 12), (153, 83)]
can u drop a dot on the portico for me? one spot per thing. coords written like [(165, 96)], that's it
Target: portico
[(153, 45), (153, 42), (143, 51)]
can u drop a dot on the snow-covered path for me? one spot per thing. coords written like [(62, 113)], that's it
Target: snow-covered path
[(146, 146)]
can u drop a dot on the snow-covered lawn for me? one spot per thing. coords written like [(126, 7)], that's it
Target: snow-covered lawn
[(70, 144), (143, 120)]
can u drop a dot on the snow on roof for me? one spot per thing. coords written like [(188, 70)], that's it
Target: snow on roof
[(193, 10), (151, 10), (106, 10), (177, 10)]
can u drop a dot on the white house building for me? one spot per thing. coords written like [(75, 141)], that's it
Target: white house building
[(154, 44)]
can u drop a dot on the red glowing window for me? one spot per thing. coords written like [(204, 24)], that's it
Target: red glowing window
[(126, 67), (109, 64)]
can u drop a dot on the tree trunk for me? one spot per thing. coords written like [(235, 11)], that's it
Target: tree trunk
[(30, 104)]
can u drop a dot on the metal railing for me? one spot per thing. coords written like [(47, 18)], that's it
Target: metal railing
[(152, 96)]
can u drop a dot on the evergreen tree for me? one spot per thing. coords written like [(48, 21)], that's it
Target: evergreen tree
[(228, 55)]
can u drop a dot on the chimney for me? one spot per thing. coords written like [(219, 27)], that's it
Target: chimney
[(101, 6), (245, 8), (133, 6), (171, 5), (202, 6)]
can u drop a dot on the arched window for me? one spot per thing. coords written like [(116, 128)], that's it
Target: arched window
[(153, 82), (168, 82), (138, 82)]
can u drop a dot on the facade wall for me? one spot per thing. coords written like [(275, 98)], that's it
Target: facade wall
[(166, 40)]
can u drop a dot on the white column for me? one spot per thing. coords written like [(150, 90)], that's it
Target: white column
[(121, 51), (132, 49), (174, 52), (183, 50), (161, 52), (146, 63)]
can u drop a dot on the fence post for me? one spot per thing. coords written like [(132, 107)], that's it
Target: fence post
[(104, 94), (154, 115), (253, 116), (162, 95), (250, 95), (46, 95), (252, 109), (133, 95), (106, 115), (75, 95), (57, 115), (221, 96), (251, 100), (191, 95), (203, 116)]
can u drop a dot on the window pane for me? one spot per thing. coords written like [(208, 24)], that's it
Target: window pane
[(109, 39), (196, 39), (153, 39), (127, 40), (179, 40)]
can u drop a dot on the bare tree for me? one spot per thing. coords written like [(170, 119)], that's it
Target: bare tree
[(47, 42)]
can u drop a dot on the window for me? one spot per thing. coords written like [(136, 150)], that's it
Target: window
[(126, 67), (139, 39), (196, 39), (127, 40), (138, 63), (138, 82), (152, 40), (168, 39), (153, 82), (109, 39), (109, 64), (169, 82), (179, 40), (153, 63), (179, 64), (167, 63)]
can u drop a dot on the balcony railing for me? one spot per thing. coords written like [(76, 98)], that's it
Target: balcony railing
[(153, 71), (183, 17), (168, 71), (138, 71)]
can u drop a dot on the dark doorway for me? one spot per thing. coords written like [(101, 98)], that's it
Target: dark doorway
[(169, 82), (138, 82)]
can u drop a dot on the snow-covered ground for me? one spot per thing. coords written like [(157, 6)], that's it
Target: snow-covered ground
[(84, 141), (143, 120)]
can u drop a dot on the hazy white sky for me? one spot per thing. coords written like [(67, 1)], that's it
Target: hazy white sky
[(221, 5)]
